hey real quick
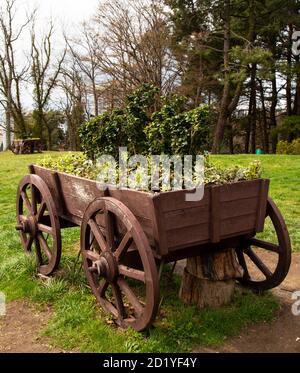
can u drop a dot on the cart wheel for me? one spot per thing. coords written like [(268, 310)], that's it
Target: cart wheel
[(38, 223), (110, 233), (266, 264)]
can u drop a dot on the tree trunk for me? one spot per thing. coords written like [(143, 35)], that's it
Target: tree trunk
[(296, 110), (230, 136), (7, 129), (223, 114), (265, 120), (253, 113), (209, 279), (273, 122), (289, 73)]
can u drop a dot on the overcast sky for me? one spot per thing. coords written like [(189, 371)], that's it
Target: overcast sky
[(68, 11), (66, 14)]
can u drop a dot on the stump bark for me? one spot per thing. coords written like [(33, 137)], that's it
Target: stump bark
[(209, 279)]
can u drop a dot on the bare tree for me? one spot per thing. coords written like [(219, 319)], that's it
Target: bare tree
[(84, 50), (45, 71), (11, 77), (74, 101), (134, 45)]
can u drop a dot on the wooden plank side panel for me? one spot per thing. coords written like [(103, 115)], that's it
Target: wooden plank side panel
[(226, 211), (173, 201), (262, 205), (215, 218), (49, 178), (240, 190), (237, 225), (188, 236)]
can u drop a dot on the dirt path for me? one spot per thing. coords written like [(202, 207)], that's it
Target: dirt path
[(20, 328), (283, 335)]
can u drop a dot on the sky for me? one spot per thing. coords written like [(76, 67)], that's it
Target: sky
[(66, 15), (67, 11)]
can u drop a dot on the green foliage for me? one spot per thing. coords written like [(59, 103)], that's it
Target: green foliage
[(217, 174), (171, 130), (289, 128), (119, 128), (284, 147), (103, 134), (71, 163), (77, 164)]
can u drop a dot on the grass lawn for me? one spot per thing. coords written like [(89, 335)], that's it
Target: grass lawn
[(77, 322)]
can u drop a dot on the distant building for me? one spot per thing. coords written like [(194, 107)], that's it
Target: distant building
[(3, 139)]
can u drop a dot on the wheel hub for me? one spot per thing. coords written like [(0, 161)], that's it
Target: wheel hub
[(28, 225), (107, 266)]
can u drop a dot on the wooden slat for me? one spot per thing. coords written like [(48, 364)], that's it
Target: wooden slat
[(262, 205), (229, 209), (188, 236), (186, 217), (240, 190), (237, 225), (215, 218)]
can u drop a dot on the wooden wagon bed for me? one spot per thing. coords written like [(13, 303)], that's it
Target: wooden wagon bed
[(126, 234)]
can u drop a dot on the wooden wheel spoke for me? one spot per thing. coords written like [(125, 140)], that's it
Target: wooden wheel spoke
[(41, 211), (132, 273), (98, 235), (109, 229), (38, 252), (118, 301), (124, 246), (37, 216), (265, 245), (258, 262), (33, 198), (27, 202), (91, 255), (44, 246), (102, 288), (29, 243), (242, 261), (44, 228), (132, 298)]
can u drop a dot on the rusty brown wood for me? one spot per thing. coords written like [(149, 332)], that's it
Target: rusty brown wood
[(105, 266), (272, 278), (31, 208), (215, 219), (168, 220), (262, 205)]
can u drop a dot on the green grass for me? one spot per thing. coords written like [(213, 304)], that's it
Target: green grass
[(77, 322)]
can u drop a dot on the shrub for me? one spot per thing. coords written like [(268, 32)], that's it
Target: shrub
[(171, 130), (120, 128), (284, 147), (176, 131), (295, 147)]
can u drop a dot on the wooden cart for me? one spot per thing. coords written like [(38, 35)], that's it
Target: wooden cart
[(28, 146), (126, 234)]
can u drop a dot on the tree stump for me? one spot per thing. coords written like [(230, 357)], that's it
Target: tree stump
[(209, 279)]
